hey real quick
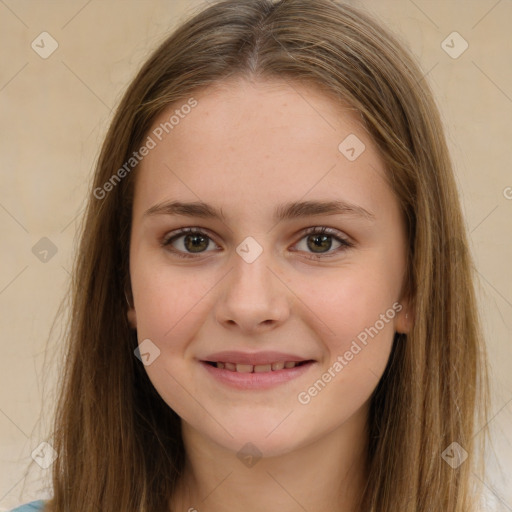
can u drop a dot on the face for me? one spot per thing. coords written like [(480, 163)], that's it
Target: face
[(265, 281)]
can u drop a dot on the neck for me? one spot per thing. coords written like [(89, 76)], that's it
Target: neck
[(326, 474)]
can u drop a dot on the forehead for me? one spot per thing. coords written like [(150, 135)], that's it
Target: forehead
[(261, 141), (272, 110)]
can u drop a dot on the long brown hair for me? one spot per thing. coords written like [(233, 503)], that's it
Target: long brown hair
[(119, 444)]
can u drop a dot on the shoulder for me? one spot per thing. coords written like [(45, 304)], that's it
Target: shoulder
[(30, 507)]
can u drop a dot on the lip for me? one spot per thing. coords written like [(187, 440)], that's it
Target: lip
[(254, 358), (257, 381)]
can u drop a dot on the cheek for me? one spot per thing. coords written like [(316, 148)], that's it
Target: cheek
[(359, 312), (351, 303), (168, 302), (165, 299)]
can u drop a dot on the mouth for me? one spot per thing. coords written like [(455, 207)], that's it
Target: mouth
[(258, 368), (242, 376)]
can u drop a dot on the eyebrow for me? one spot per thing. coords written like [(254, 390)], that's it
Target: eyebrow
[(286, 211)]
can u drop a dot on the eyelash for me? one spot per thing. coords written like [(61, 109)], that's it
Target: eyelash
[(318, 230)]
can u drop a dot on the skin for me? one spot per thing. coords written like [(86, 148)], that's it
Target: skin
[(246, 147)]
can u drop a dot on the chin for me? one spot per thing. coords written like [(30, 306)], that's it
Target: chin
[(260, 441)]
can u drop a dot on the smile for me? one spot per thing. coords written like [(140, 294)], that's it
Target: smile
[(259, 368), (243, 376)]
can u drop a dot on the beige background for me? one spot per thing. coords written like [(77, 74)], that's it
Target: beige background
[(55, 111)]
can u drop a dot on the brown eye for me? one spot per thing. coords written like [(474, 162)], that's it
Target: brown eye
[(195, 242), (187, 242), (320, 240), (319, 243)]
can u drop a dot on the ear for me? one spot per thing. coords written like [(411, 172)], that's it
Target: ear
[(131, 315), (404, 319)]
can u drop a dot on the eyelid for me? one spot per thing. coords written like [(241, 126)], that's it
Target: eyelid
[(185, 231), (328, 231)]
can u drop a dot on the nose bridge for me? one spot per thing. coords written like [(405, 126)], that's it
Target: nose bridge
[(252, 294), (251, 276)]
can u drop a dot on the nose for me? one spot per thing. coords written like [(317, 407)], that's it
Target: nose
[(253, 297)]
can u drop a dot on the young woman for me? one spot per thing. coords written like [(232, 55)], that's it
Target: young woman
[(273, 299)]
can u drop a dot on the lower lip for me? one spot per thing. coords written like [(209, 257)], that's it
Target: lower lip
[(260, 380)]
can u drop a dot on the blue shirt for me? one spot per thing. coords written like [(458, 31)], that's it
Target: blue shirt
[(30, 507)]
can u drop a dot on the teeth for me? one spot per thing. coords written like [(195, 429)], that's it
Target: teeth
[(262, 368), (244, 368), (259, 368)]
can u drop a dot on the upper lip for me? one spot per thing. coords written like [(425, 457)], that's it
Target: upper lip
[(255, 358)]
